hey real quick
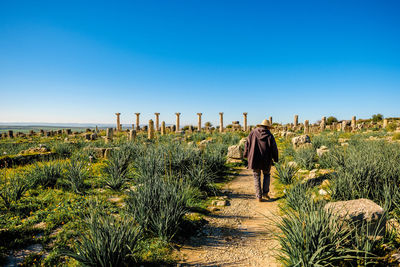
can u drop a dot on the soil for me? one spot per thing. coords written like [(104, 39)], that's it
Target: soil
[(240, 234)]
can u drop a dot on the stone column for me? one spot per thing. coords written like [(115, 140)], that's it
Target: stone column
[(177, 121), (199, 122), (221, 122), (323, 124), (109, 135), (245, 121), (343, 126), (132, 135), (137, 121), (306, 127), (385, 123), (150, 130), (163, 128), (118, 122), (270, 120), (353, 123), (157, 121), (296, 120)]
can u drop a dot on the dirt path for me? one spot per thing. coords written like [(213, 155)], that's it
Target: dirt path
[(239, 234)]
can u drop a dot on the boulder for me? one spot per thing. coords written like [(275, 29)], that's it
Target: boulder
[(243, 141), (360, 211), (301, 140), (235, 152), (322, 150)]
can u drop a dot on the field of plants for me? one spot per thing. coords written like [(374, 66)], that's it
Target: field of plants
[(131, 204), (355, 166), (127, 208)]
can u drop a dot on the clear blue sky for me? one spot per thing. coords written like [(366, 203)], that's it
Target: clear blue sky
[(82, 61)]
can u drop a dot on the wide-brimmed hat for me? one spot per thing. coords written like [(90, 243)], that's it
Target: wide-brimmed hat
[(265, 123)]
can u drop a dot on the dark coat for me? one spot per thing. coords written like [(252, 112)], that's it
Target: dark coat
[(260, 149)]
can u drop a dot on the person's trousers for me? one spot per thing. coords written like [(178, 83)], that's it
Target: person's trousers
[(264, 189)]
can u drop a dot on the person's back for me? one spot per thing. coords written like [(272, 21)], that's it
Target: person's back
[(261, 150)]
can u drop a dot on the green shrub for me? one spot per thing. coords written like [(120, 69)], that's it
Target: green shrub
[(377, 117), (158, 206), (12, 189), (391, 127), (311, 237), (396, 136), (285, 173), (329, 141), (116, 170), (76, 173), (334, 159), (305, 158), (200, 178), (109, 241), (45, 174), (330, 120), (297, 196), (365, 169), (63, 149)]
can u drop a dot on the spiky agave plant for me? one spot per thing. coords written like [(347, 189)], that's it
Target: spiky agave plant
[(45, 174), (117, 169), (12, 188), (311, 237), (76, 172), (305, 157), (109, 241), (285, 173), (158, 206)]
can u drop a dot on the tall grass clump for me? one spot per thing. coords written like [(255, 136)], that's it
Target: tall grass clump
[(311, 236), (116, 170), (12, 189), (199, 177), (108, 241), (297, 196), (324, 140), (285, 173), (45, 174), (158, 206), (63, 149), (365, 169), (305, 157), (76, 172)]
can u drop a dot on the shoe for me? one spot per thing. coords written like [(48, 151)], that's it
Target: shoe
[(267, 196), (260, 199)]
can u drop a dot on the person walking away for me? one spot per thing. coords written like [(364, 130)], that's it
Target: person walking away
[(261, 151)]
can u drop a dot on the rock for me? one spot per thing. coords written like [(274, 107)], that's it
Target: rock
[(219, 203), (313, 174), (229, 160), (360, 211), (235, 152), (301, 140), (288, 134), (322, 192), (213, 209), (242, 142), (322, 150)]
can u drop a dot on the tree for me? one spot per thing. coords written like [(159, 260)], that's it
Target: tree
[(377, 117), (330, 120), (208, 124)]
